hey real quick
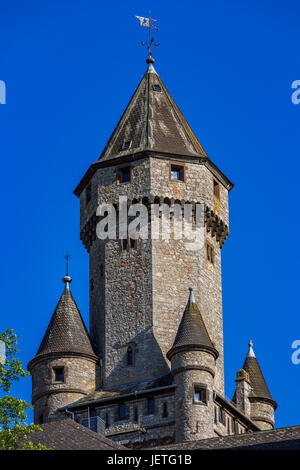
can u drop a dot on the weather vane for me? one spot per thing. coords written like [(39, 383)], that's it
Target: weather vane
[(148, 23), (67, 257)]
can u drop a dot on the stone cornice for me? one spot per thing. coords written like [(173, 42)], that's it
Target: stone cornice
[(54, 355)]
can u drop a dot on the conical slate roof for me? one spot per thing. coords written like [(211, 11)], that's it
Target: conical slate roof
[(192, 333), (257, 380), (66, 331), (152, 121)]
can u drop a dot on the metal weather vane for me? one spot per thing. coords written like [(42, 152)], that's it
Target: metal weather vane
[(148, 23), (67, 257)]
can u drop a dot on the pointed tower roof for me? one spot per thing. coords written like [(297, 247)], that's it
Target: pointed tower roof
[(192, 333), (257, 380), (152, 121), (66, 332), (151, 125)]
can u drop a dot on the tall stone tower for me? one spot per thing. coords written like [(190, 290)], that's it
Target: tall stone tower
[(138, 288)]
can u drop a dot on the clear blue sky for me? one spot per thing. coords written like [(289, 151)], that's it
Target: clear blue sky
[(70, 67)]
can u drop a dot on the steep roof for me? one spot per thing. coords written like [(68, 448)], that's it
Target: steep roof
[(273, 439), (66, 331), (152, 121), (67, 435), (257, 380), (192, 332)]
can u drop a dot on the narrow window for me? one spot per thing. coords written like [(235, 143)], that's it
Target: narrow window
[(88, 193), (216, 190), (101, 270), (106, 420), (136, 415), (221, 415), (129, 356), (165, 410), (122, 411), (41, 419), (200, 394), (123, 175), (58, 374), (126, 145), (124, 243), (210, 253), (132, 243), (177, 173), (150, 406)]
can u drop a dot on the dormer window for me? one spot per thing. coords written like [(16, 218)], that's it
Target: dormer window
[(126, 145), (156, 87)]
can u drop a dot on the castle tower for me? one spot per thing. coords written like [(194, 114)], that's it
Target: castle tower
[(252, 394), (152, 157), (193, 359), (65, 366)]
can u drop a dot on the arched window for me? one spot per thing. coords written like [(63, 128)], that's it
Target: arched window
[(130, 356)]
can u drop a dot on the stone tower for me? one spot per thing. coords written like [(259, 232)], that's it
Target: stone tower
[(65, 366), (252, 394), (193, 360), (138, 288)]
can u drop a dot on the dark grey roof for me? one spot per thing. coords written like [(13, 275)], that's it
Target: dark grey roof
[(152, 121), (192, 332), (67, 435), (274, 439), (66, 332)]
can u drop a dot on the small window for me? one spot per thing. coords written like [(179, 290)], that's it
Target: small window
[(221, 416), (122, 411), (106, 420), (210, 253), (126, 145), (136, 415), (124, 243), (58, 374), (88, 193), (216, 189), (177, 173), (129, 356), (124, 175), (150, 406), (156, 87), (41, 419), (132, 243), (200, 394), (165, 410)]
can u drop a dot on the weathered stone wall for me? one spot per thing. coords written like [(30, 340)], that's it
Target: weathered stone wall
[(176, 267), (48, 395)]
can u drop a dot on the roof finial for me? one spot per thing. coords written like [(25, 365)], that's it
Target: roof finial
[(191, 297), (250, 352), (67, 279), (148, 23)]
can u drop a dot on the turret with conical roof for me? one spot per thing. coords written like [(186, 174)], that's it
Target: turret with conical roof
[(193, 364), (65, 365), (256, 397)]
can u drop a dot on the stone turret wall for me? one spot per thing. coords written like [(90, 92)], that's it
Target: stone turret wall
[(262, 413), (193, 420), (47, 395)]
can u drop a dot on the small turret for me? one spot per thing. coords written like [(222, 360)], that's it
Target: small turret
[(64, 367), (193, 363), (252, 394)]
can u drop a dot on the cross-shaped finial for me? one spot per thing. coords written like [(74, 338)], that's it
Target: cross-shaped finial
[(67, 257)]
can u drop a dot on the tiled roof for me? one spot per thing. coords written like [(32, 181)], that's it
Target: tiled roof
[(67, 435), (257, 380), (152, 121), (66, 331), (274, 439), (192, 331)]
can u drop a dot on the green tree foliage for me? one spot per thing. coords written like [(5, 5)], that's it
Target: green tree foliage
[(14, 432)]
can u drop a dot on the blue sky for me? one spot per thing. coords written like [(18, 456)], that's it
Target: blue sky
[(70, 67)]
